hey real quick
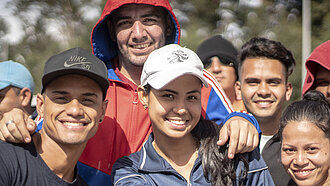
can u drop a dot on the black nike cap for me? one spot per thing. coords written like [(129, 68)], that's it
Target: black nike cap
[(76, 61)]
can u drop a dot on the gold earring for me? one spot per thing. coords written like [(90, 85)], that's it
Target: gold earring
[(145, 107)]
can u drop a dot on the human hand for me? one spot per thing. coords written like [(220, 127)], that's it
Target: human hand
[(243, 135), (16, 126)]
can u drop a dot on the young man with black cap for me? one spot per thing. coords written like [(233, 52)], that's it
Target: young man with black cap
[(72, 103)]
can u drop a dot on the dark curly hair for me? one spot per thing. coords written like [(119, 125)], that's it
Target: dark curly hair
[(313, 107), (259, 47)]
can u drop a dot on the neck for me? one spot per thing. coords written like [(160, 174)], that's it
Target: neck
[(60, 158), (238, 105), (179, 153), (28, 110), (270, 125), (230, 93), (130, 71)]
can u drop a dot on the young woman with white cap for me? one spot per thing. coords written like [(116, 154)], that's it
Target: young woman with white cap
[(182, 149)]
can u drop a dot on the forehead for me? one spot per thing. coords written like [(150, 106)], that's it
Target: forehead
[(322, 72), (4, 90), (74, 83), (304, 128), (130, 10), (185, 82), (262, 67)]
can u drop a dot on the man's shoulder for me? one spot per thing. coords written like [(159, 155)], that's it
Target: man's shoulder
[(15, 147)]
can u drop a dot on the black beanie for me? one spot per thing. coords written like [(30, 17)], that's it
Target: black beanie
[(220, 47)]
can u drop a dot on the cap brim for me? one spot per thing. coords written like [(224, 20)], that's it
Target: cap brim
[(3, 85), (168, 76)]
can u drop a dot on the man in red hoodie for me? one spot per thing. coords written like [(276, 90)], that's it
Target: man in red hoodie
[(127, 32), (318, 70)]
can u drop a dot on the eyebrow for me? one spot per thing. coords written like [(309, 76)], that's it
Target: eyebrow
[(174, 92), (152, 13), (65, 93), (270, 79)]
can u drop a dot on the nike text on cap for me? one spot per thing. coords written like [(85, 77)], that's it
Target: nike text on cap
[(76, 61), (168, 63)]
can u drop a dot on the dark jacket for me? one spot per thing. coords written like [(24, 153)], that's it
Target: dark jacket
[(272, 156), (147, 167)]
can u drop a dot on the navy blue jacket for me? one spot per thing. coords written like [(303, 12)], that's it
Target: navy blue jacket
[(147, 167)]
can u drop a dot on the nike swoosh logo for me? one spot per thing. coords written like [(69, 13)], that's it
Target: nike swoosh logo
[(66, 65)]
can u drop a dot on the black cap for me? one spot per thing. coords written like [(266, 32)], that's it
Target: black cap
[(76, 61), (220, 47)]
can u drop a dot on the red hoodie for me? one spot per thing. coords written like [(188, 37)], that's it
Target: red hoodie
[(319, 56), (126, 125)]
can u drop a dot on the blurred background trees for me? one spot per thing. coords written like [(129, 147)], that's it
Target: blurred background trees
[(49, 27)]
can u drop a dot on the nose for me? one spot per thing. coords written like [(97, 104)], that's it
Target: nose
[(180, 107), (263, 90), (138, 31), (74, 109), (216, 67), (300, 159)]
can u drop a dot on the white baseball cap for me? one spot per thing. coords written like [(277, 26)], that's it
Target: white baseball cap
[(170, 62)]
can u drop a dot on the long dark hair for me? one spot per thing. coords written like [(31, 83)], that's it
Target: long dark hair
[(217, 167), (313, 107)]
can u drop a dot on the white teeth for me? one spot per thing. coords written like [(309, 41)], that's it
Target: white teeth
[(140, 46), (73, 124), (177, 122), (305, 171), (263, 103)]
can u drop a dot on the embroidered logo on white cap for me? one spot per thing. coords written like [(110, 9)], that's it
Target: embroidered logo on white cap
[(168, 63)]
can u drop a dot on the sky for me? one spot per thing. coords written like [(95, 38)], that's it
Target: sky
[(15, 28), (15, 31)]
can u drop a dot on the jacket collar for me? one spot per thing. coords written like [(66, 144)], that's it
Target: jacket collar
[(151, 161)]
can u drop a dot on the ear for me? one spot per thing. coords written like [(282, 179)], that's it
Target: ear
[(40, 105), (169, 25), (143, 97), (238, 90), (104, 108), (111, 30), (288, 92), (25, 97)]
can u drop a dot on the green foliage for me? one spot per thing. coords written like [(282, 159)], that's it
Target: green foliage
[(50, 27), (273, 20), (199, 19)]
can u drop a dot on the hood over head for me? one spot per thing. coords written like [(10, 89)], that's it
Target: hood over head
[(319, 56), (106, 49)]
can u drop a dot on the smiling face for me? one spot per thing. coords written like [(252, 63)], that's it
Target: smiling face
[(305, 153), (263, 87), (139, 29), (175, 109), (322, 81), (72, 107)]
